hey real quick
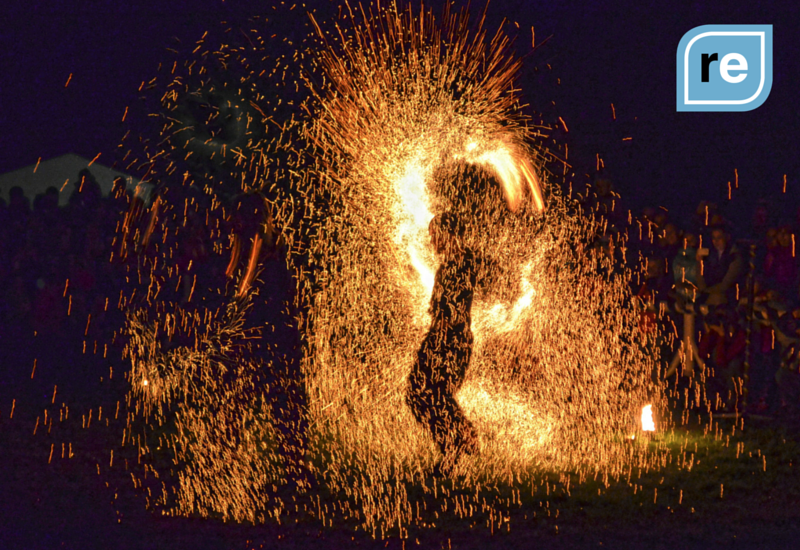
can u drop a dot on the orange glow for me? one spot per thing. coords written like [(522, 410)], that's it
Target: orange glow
[(406, 102), (648, 425), (234, 261), (252, 264)]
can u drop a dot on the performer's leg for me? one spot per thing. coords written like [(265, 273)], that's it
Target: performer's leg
[(421, 394), (433, 382), (465, 437), (455, 433)]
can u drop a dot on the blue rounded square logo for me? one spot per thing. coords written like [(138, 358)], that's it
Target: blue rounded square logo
[(724, 68)]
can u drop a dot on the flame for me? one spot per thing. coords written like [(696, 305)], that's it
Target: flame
[(413, 215), (647, 419), (511, 167), (500, 317), (255, 250)]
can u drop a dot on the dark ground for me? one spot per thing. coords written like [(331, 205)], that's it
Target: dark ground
[(84, 503)]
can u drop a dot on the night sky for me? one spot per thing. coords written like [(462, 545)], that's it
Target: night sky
[(623, 55)]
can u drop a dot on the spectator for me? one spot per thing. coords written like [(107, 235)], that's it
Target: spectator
[(652, 292), (722, 346), (722, 269), (780, 265), (788, 376), (765, 354), (686, 271), (760, 221), (669, 243), (704, 214)]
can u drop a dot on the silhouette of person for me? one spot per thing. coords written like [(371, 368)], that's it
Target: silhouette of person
[(260, 369), (279, 380), (280, 348), (442, 360)]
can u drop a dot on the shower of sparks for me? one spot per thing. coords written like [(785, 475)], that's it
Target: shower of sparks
[(227, 155), (398, 108), (410, 103)]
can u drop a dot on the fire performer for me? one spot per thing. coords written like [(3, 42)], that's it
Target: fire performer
[(443, 357), (265, 275)]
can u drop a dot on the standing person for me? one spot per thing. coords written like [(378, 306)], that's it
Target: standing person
[(280, 347), (443, 357), (264, 277), (723, 346)]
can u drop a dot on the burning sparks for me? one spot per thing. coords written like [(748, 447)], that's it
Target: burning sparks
[(401, 149), (406, 118)]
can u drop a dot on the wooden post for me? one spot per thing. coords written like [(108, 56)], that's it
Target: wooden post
[(750, 289), (688, 355)]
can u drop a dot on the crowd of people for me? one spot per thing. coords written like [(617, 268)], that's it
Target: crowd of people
[(62, 285), (737, 285), (59, 291)]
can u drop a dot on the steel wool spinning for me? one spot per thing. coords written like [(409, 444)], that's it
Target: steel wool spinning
[(401, 122)]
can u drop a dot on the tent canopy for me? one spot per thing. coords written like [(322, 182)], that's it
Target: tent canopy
[(62, 173)]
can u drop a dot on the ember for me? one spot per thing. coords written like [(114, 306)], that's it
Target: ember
[(416, 117)]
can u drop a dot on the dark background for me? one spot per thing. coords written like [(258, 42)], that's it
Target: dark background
[(620, 53)]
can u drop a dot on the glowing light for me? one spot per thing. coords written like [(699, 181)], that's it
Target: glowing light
[(511, 169), (411, 108), (551, 336), (648, 425), (507, 420), (412, 216)]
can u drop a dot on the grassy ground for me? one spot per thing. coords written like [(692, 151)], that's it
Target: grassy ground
[(742, 490)]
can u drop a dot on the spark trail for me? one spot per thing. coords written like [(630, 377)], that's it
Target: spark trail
[(390, 109), (409, 105)]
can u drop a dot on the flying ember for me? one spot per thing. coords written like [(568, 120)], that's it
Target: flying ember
[(355, 204)]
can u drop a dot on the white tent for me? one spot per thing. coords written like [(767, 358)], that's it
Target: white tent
[(62, 173)]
